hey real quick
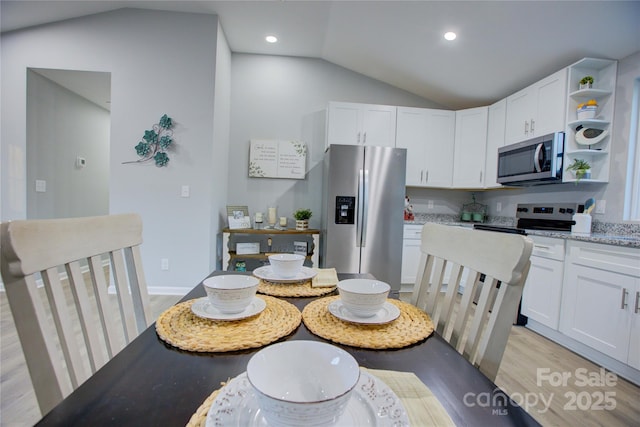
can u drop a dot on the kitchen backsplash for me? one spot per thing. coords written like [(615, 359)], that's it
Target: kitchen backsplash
[(598, 227)]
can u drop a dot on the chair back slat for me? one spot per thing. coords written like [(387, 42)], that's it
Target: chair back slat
[(69, 329), (491, 268)]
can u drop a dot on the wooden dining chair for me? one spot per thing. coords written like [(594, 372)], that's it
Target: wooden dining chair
[(490, 269), (57, 274)]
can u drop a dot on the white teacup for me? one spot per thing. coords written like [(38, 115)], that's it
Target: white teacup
[(231, 293), (363, 297), (286, 266)]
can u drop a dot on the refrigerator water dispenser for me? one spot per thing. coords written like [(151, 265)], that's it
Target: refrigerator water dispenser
[(345, 210)]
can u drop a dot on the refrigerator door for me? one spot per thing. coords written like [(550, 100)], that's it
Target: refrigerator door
[(383, 220), (344, 164), (363, 216)]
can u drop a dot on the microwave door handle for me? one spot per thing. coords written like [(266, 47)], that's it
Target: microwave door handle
[(536, 157)]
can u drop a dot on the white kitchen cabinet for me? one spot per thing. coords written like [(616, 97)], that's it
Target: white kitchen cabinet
[(495, 139), (361, 124), (599, 300), (470, 148), (538, 109), (410, 256), (604, 72), (428, 136), (542, 292)]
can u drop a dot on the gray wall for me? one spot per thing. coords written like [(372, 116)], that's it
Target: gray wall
[(275, 97), (60, 127), (160, 62)]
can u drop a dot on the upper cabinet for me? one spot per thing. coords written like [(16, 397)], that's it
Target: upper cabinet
[(428, 136), (595, 151), (538, 109), (495, 140), (470, 148), (361, 124)]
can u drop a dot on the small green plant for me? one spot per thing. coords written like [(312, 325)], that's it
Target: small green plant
[(302, 214), (580, 167), (586, 80)]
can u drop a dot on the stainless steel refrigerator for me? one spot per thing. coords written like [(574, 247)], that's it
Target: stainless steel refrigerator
[(363, 205)]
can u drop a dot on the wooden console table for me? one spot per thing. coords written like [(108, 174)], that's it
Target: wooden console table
[(269, 241)]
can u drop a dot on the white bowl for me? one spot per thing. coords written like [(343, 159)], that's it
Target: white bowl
[(286, 265), (231, 293), (302, 383), (363, 297)]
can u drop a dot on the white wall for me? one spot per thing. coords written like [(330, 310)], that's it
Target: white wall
[(276, 97), (160, 62), (62, 125)]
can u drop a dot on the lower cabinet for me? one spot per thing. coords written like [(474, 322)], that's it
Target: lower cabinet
[(600, 298), (542, 292), (410, 256)]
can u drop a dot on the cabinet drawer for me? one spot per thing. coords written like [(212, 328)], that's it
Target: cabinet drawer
[(606, 257), (412, 232), (548, 247)]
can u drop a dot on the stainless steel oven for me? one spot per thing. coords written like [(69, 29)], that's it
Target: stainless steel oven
[(532, 162)]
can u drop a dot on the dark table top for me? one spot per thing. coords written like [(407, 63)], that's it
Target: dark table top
[(153, 383)]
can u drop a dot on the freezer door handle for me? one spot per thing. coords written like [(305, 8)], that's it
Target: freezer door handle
[(359, 217), (365, 210)]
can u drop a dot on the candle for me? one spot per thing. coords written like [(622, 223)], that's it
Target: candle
[(283, 221), (272, 216), (258, 216)]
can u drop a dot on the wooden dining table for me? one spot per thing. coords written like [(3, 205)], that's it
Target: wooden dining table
[(151, 383)]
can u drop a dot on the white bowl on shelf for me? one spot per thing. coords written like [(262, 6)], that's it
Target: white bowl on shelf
[(231, 293), (363, 297), (286, 265), (302, 383), (586, 113)]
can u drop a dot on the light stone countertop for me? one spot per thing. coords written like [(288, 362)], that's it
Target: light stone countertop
[(606, 233)]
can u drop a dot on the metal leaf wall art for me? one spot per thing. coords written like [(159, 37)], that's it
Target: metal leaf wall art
[(156, 142)]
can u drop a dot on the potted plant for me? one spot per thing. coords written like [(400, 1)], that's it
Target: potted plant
[(302, 218), (580, 168), (586, 82)]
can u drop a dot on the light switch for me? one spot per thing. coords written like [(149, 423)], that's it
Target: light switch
[(41, 186), (185, 191)]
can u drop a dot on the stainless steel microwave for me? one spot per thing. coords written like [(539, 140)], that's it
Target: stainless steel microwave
[(532, 162)]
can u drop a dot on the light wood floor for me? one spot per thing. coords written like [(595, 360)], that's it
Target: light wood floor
[(526, 352)]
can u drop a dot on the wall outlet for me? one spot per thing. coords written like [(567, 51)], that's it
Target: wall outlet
[(498, 206), (164, 264), (429, 204), (601, 205), (185, 191), (41, 186)]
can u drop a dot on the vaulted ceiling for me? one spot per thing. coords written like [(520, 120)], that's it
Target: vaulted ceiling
[(502, 46)]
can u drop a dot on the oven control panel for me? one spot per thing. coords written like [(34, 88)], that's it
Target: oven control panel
[(548, 211)]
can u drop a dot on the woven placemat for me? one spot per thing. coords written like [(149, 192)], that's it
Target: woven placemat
[(181, 328), (411, 326), (290, 290)]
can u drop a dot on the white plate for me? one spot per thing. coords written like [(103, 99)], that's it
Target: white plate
[(372, 403), (388, 313), (202, 308), (266, 273)]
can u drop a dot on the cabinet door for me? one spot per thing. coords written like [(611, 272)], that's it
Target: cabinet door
[(519, 110), (412, 134), (379, 125), (344, 123), (438, 162), (410, 260), (495, 140), (551, 99), (543, 291), (470, 148), (634, 343)]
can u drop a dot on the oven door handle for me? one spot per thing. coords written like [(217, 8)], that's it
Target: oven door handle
[(536, 157)]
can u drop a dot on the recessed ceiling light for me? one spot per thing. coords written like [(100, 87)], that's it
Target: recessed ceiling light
[(450, 35), (271, 39)]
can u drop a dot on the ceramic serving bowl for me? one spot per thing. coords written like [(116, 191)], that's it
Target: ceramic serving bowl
[(302, 383), (363, 297), (231, 293), (286, 265)]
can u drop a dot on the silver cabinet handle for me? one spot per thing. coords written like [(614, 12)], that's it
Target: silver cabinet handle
[(532, 128), (480, 176), (364, 139), (426, 177), (637, 308), (358, 138), (421, 173), (526, 127), (623, 303)]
